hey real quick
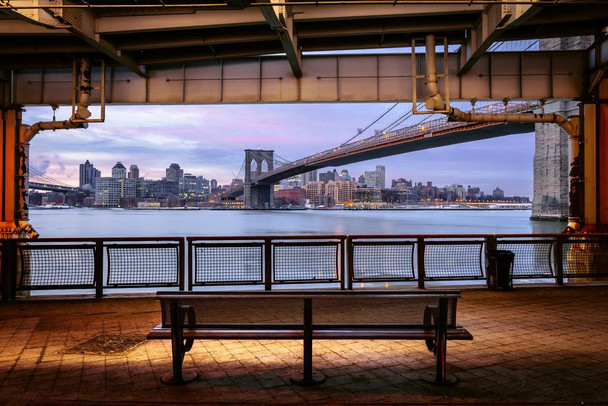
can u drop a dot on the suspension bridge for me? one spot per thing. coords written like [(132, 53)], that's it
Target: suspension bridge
[(400, 133), (38, 180)]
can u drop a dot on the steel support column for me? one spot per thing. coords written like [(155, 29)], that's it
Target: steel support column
[(595, 165), (13, 176)]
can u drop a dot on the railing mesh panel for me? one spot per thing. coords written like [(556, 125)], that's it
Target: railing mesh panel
[(585, 258), (452, 260), (383, 261), (227, 264), (532, 258), (143, 266), (305, 262), (48, 267)]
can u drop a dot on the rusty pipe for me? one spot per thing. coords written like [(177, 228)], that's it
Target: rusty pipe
[(459, 115), (84, 99), (434, 101), (82, 109), (50, 125)]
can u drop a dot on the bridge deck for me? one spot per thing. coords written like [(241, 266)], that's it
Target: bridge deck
[(431, 134)]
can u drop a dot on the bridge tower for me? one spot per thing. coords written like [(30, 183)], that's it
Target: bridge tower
[(258, 195), (551, 158)]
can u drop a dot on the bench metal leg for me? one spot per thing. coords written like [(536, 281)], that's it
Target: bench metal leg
[(179, 345), (439, 346), (308, 376)]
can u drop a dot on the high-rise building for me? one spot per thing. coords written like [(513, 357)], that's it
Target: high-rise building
[(291, 182), (341, 190), (174, 173), (327, 176), (376, 178), (343, 175), (109, 191), (88, 174), (119, 171), (191, 186), (401, 183), (309, 177), (498, 194), (133, 172), (314, 189)]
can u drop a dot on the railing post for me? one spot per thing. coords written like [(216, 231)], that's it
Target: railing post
[(98, 269), (190, 265), (182, 264), (344, 251), (9, 270), (351, 262), (491, 245), (267, 264), (558, 259), (420, 262)]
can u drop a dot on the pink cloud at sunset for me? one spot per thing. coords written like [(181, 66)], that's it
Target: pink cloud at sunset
[(209, 140)]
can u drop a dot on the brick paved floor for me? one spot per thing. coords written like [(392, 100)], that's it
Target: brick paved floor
[(532, 345)]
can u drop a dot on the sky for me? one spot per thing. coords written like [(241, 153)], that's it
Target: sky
[(210, 140)]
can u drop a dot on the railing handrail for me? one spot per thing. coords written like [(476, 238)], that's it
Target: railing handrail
[(269, 237), (283, 259), (91, 239)]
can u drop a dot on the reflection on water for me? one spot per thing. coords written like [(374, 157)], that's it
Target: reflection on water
[(144, 223)]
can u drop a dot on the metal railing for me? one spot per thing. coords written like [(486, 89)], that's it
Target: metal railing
[(79, 264), (267, 260), (102, 264)]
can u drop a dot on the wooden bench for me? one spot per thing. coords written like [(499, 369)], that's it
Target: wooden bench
[(322, 315)]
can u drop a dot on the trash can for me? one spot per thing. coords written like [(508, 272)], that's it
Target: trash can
[(499, 268)]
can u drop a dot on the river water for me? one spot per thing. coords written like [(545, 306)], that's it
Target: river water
[(84, 223)]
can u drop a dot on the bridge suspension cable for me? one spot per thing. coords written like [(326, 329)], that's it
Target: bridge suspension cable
[(39, 177), (371, 124)]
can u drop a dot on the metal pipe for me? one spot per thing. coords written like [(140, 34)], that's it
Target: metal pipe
[(459, 115), (84, 100), (434, 101), (82, 111)]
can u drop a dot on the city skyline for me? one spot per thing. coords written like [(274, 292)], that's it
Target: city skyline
[(316, 177), (209, 141)]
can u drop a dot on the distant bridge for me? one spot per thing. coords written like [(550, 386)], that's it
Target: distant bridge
[(51, 187), (424, 135), (38, 180)]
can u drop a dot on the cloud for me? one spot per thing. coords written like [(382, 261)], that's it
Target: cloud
[(210, 140)]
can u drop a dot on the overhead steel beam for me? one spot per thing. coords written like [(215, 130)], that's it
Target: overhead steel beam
[(490, 28), (20, 27), (280, 20), (81, 23), (397, 10), (249, 16), (327, 78), (197, 19), (149, 41), (210, 54), (385, 27), (44, 45)]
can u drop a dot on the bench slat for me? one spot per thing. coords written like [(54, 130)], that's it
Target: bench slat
[(351, 333)]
